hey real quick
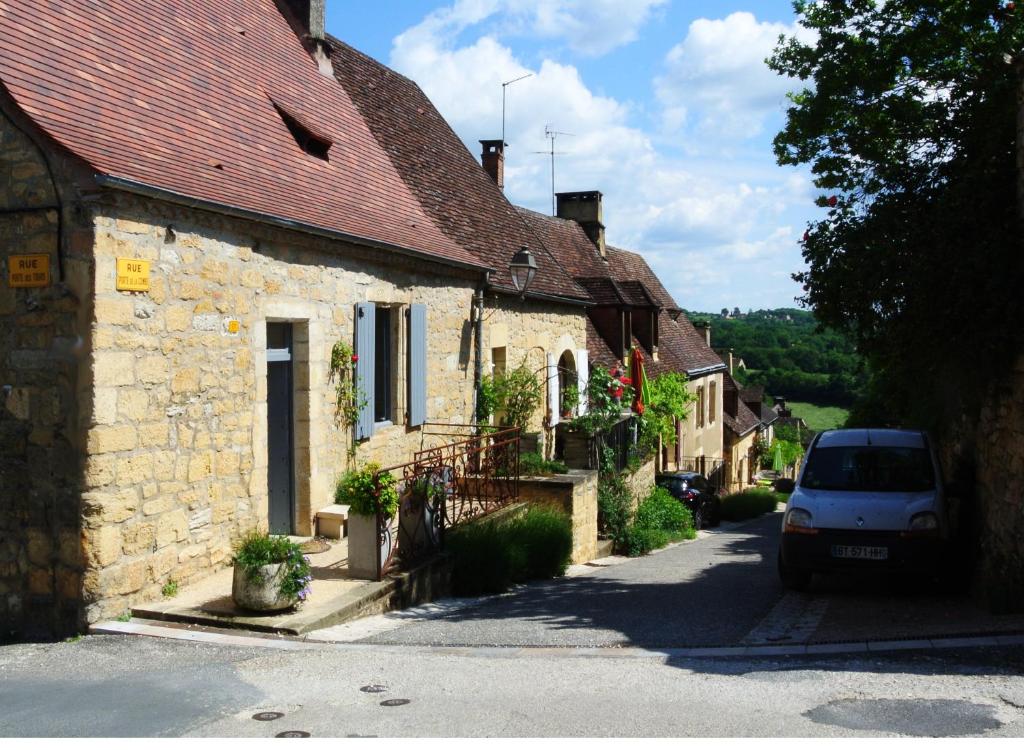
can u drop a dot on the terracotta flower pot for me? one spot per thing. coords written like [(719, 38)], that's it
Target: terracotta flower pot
[(262, 594)]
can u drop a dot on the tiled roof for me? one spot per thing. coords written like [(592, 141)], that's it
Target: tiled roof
[(446, 178), (677, 336), (633, 266), (636, 294), (602, 290), (680, 348), (567, 241), (185, 97), (598, 350), (736, 415), (752, 393)]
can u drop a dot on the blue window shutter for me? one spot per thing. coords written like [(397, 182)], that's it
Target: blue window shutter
[(417, 365), (366, 316)]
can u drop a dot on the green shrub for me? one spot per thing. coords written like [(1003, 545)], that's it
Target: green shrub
[(545, 535), (490, 555), (614, 507), (639, 540), (367, 491), (483, 561), (662, 511), (740, 506), (534, 465)]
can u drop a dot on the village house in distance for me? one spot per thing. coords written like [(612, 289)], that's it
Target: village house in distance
[(185, 240)]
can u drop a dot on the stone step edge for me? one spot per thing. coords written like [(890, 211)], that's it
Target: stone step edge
[(155, 629)]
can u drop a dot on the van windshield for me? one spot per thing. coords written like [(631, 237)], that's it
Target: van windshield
[(858, 468)]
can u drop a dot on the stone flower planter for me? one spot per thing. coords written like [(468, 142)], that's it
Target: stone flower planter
[(364, 547), (263, 595)]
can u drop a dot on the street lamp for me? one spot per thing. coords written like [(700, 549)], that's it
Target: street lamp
[(523, 268)]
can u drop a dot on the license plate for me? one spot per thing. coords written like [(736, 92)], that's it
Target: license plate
[(860, 553)]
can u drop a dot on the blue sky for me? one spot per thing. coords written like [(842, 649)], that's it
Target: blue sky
[(670, 108)]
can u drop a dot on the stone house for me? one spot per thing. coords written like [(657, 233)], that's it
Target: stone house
[(632, 308), (185, 238), (742, 427), (546, 328)]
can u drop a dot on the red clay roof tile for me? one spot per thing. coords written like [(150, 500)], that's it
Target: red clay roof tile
[(173, 96)]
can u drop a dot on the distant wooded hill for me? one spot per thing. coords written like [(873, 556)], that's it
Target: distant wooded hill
[(785, 352)]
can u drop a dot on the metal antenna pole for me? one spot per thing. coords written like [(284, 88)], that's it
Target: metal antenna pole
[(504, 86), (551, 133)]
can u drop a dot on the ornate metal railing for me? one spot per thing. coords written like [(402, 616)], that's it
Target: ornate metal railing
[(443, 486)]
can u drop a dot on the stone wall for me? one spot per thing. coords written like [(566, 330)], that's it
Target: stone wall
[(641, 481), (177, 434), (529, 330), (40, 343), (986, 457), (575, 494)]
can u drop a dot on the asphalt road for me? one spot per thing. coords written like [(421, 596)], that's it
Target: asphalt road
[(709, 592), (598, 654), (121, 686)]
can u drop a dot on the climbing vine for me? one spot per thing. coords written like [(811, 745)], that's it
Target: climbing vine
[(349, 398)]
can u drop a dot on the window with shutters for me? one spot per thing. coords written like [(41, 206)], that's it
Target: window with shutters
[(699, 411), (391, 366), (712, 395)]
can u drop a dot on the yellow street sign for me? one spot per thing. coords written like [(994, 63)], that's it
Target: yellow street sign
[(28, 270), (132, 275)]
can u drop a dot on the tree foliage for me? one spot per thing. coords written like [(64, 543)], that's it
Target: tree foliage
[(907, 119), (668, 403)]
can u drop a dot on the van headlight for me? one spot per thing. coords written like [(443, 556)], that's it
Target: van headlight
[(799, 521), (923, 524)]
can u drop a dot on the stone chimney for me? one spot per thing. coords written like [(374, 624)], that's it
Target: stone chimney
[(307, 18), (585, 209), (493, 160), (706, 327)]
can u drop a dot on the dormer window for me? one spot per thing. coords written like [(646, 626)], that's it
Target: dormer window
[(307, 140)]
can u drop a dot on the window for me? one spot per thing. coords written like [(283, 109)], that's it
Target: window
[(307, 140), (382, 363), (384, 374), (699, 411), (712, 394)]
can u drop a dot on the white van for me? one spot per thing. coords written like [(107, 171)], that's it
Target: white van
[(865, 499)]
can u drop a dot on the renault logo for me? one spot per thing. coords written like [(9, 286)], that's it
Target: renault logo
[(860, 521)]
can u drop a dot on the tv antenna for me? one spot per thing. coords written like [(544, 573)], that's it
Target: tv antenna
[(504, 86), (550, 133)]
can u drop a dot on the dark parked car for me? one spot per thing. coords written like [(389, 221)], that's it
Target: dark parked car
[(696, 493)]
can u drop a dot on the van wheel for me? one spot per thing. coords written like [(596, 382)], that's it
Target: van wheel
[(793, 579)]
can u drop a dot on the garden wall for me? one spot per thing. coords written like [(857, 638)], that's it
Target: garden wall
[(575, 494), (641, 481)]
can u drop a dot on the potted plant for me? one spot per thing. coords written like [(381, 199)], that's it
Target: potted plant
[(369, 493), (570, 400), (271, 573)]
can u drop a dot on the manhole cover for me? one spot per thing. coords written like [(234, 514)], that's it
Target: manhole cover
[(374, 688), (394, 702), (314, 546), (916, 718), (292, 733), (267, 715)]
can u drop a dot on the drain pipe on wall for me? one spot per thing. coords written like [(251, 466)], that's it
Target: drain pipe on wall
[(478, 336)]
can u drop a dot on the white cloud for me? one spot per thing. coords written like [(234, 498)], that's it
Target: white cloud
[(588, 27), (711, 228), (716, 82)]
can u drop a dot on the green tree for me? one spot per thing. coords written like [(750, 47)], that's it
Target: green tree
[(908, 120)]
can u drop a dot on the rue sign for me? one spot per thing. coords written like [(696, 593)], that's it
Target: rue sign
[(28, 270), (132, 275)]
